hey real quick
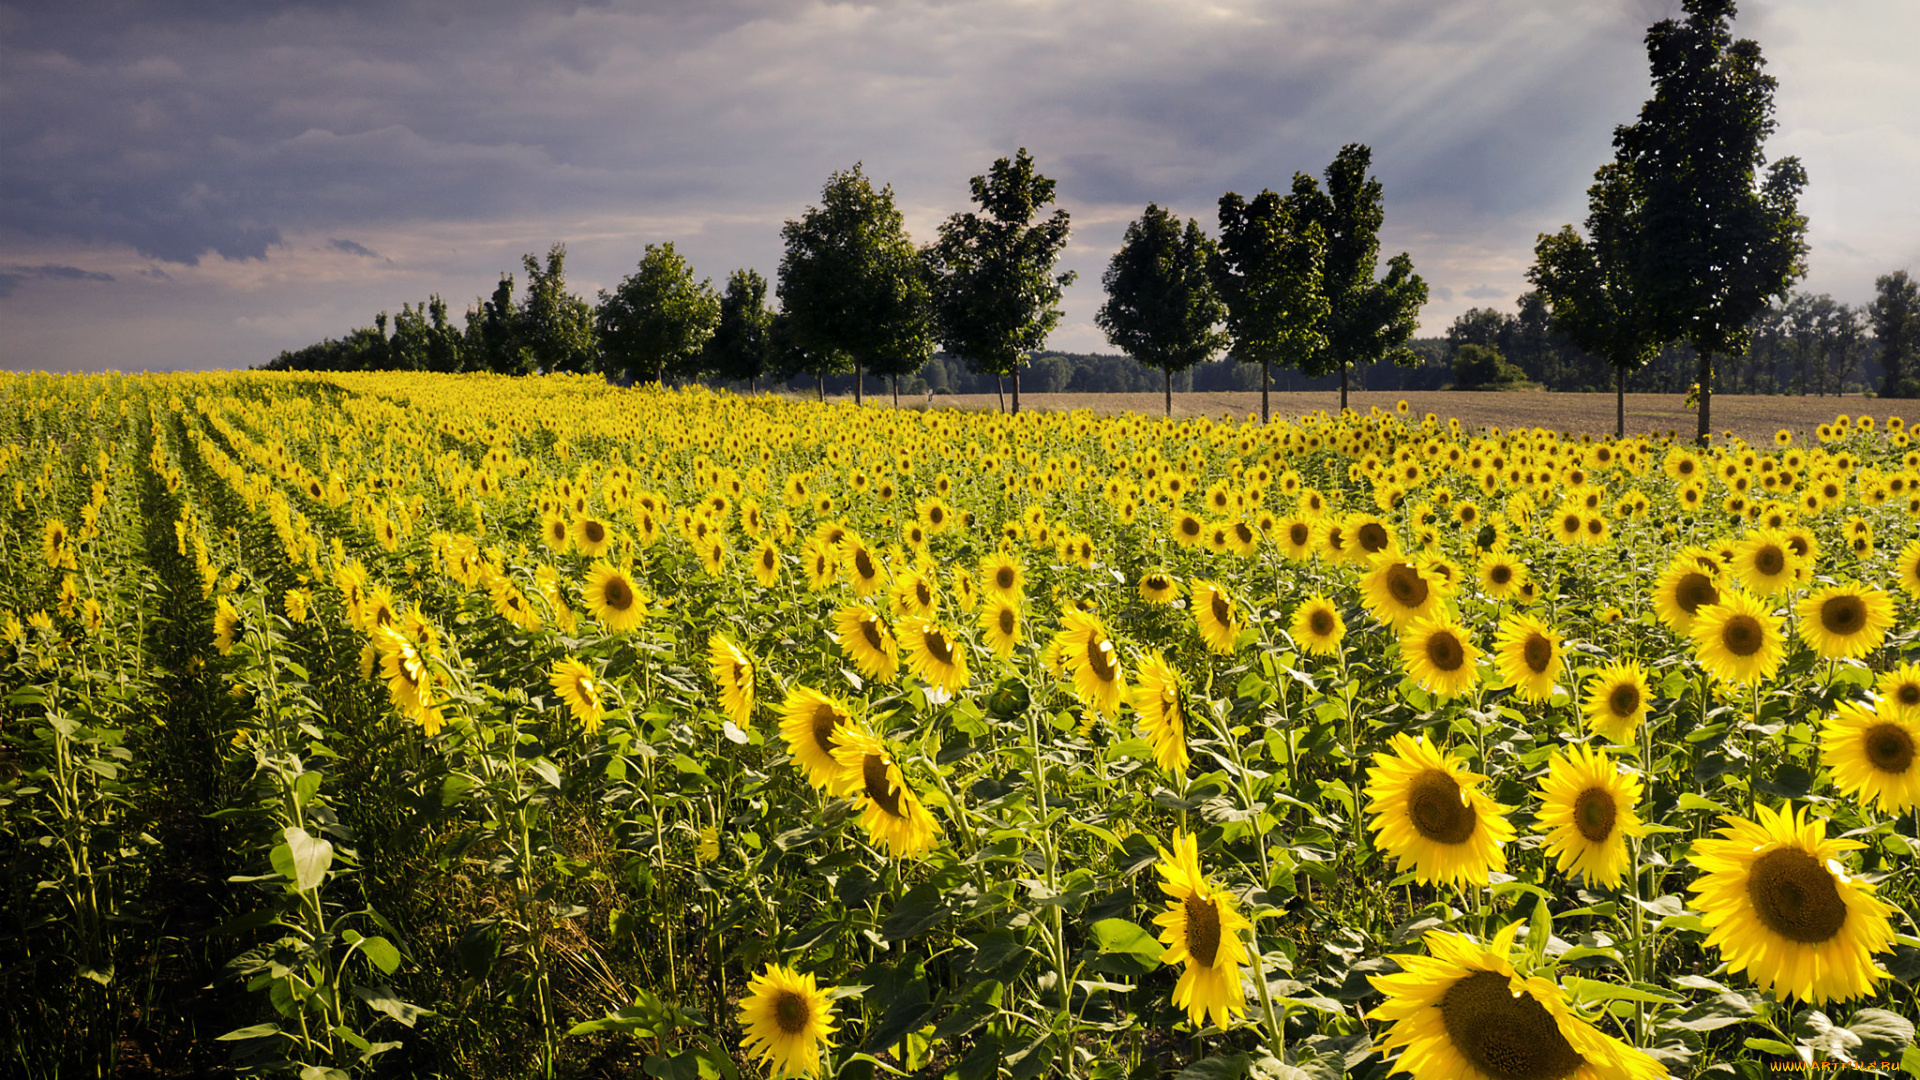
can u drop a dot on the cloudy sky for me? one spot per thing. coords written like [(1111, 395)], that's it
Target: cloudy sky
[(202, 184)]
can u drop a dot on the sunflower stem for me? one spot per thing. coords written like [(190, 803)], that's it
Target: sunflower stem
[(1276, 1035)]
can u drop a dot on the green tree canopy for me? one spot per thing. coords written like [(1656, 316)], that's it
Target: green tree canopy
[(1589, 283), (1895, 313), (1368, 319), (851, 283), (657, 322), (996, 296), (1716, 247), (1161, 306), (555, 327), (741, 347), (1269, 270)]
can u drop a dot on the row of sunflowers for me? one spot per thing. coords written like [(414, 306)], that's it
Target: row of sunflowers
[(555, 727)]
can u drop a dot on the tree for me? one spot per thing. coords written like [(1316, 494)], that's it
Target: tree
[(851, 283), (741, 348), (995, 293), (492, 339), (1481, 367), (1714, 248), (657, 322), (555, 327), (1368, 320), (1895, 313), (1269, 270), (443, 342), (1161, 306), (1589, 286)]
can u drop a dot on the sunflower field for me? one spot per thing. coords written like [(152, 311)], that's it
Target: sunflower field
[(410, 725)]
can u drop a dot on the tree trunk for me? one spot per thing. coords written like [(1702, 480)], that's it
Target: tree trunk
[(753, 384), (1343, 388), (820, 383), (1620, 403), (896, 391), (1265, 380), (1016, 389), (1000, 389), (1704, 375), (859, 383), (1169, 393)]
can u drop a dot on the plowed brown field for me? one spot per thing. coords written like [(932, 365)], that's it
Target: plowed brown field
[(1753, 418)]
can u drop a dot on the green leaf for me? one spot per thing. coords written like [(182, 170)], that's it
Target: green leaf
[(1122, 936), (257, 1031), (1224, 1067), (545, 770), (921, 909), (910, 1010), (382, 953), (1771, 1046), (1595, 990), (303, 859), (1881, 1032), (382, 999)]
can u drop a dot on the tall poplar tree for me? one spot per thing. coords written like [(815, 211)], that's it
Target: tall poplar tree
[(1716, 246), (996, 296), (1368, 319), (1269, 270), (1588, 284), (1161, 306), (851, 282), (741, 347)]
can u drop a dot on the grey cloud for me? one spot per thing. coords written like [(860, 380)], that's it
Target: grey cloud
[(1485, 292), (353, 248), (12, 277)]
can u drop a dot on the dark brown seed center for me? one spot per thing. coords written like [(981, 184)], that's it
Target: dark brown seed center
[(1406, 585), (790, 1012), (1500, 574), (870, 629), (1593, 814), (1222, 611), (863, 565), (1008, 621), (1372, 537), (825, 719), (1624, 700), (1843, 615), (1889, 748), (1444, 651), (1505, 1037), (1795, 896), (1299, 533), (937, 645), (1743, 635), (873, 772), (1203, 930), (1099, 660), (595, 532), (617, 595), (1003, 579), (1694, 592), (1321, 623), (1439, 809), (1538, 653), (1908, 694)]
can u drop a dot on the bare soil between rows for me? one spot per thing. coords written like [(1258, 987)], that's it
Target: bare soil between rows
[(1754, 418)]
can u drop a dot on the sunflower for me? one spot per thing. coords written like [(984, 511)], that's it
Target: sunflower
[(299, 604), (612, 597), (864, 571), (821, 563), (591, 536), (733, 676), (1780, 906), (865, 640), (1686, 587), (1158, 587), (1587, 812), (1397, 593), (1214, 616), (409, 681), (1462, 1011), (1317, 626), (1432, 816), (891, 813), (1295, 537), (1871, 754), (1907, 568), (1528, 654), (1201, 928), (1844, 620), (787, 1020), (1616, 701), (913, 593), (1500, 573), (1738, 640), (1765, 563), (1001, 625), (1899, 692), (707, 849), (934, 654), (809, 721), (1188, 530), (53, 543), (227, 626), (579, 688), (1158, 698), (1439, 654), (1091, 661)]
